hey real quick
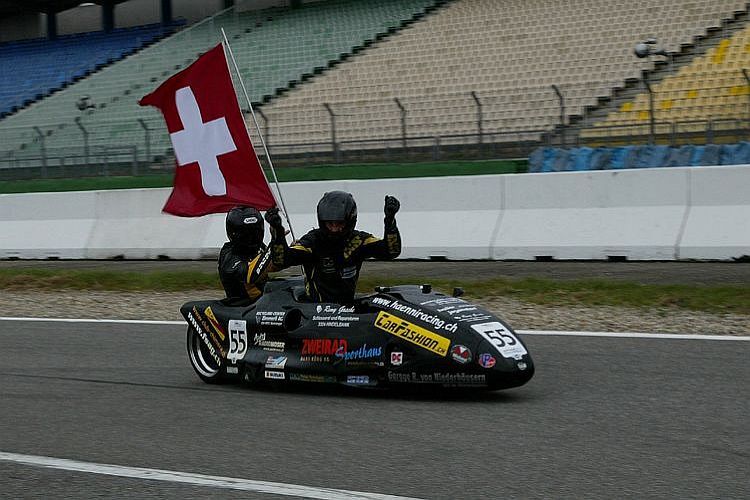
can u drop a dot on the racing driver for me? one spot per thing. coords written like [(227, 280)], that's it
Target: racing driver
[(332, 255), (244, 261)]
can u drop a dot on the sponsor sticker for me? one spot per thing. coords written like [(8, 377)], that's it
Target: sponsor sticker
[(417, 313), (486, 360), (270, 318), (233, 370), (237, 340), (278, 362), (323, 350), (360, 354), (304, 377), (410, 332), (207, 333), (329, 309), (460, 354), (501, 338), (358, 379), (397, 358), (334, 316), (446, 379), (274, 375), (443, 301), (267, 345), (209, 345), (214, 322)]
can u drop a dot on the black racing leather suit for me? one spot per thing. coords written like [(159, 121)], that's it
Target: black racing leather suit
[(332, 265), (243, 275)]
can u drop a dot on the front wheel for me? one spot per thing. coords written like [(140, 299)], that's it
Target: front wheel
[(202, 360)]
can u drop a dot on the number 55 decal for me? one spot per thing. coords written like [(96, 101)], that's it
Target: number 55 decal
[(503, 340), (237, 340)]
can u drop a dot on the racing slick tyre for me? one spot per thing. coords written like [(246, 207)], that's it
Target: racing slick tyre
[(202, 360)]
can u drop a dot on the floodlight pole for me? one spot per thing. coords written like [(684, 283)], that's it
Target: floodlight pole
[(265, 126), (42, 149), (480, 127), (147, 132), (642, 50), (561, 98), (334, 144), (652, 126), (85, 138), (403, 121), (747, 79)]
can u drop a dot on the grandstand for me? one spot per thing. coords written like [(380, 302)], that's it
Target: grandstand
[(274, 47), (711, 87), (509, 53), (41, 66), (397, 74)]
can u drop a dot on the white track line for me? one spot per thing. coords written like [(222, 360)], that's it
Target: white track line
[(90, 320), (627, 335), (233, 483), (635, 335)]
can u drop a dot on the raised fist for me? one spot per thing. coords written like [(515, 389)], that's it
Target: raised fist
[(391, 206), (274, 218)]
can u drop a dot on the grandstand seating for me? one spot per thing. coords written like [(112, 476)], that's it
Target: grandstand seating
[(509, 53), (273, 47), (41, 66), (711, 87), (552, 159)]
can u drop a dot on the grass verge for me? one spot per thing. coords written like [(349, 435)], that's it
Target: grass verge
[(715, 299), (285, 174)]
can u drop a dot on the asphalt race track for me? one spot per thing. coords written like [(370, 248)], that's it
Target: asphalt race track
[(603, 417)]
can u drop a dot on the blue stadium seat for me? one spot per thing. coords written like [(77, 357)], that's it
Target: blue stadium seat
[(582, 158), (562, 161), (735, 154), (680, 157), (536, 159), (652, 156), (41, 66), (711, 156), (600, 158)]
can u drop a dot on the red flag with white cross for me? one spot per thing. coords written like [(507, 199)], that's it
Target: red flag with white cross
[(217, 168)]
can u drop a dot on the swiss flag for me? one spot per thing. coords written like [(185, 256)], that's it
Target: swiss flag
[(217, 168)]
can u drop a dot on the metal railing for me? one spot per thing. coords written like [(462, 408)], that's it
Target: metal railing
[(496, 130)]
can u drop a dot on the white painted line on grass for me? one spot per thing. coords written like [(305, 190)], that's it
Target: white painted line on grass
[(627, 335), (233, 483)]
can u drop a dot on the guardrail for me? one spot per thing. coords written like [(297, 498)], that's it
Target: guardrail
[(647, 214)]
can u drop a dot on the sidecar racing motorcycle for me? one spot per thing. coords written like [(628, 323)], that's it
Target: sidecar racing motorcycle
[(405, 335)]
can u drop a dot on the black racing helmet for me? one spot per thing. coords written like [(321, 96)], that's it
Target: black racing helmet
[(337, 206), (245, 228)]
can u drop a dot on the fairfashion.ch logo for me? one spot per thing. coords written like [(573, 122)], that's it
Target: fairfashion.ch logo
[(412, 333)]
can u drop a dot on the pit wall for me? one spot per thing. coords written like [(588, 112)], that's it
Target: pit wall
[(647, 214)]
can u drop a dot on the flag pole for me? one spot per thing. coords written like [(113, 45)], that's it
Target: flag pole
[(257, 127)]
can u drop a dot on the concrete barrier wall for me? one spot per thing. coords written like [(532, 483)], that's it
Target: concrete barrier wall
[(650, 214)]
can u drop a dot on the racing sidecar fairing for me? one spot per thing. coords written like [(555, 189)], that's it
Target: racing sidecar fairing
[(400, 335)]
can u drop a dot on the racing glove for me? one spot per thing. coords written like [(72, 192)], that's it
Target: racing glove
[(391, 207), (274, 220)]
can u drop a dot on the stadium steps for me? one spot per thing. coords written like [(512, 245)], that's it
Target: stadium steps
[(662, 69), (345, 56)]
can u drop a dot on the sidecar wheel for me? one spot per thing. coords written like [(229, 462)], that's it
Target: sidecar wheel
[(203, 363)]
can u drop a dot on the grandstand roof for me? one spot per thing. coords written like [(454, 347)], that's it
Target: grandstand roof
[(12, 8)]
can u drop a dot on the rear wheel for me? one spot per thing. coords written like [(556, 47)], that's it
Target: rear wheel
[(202, 361)]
